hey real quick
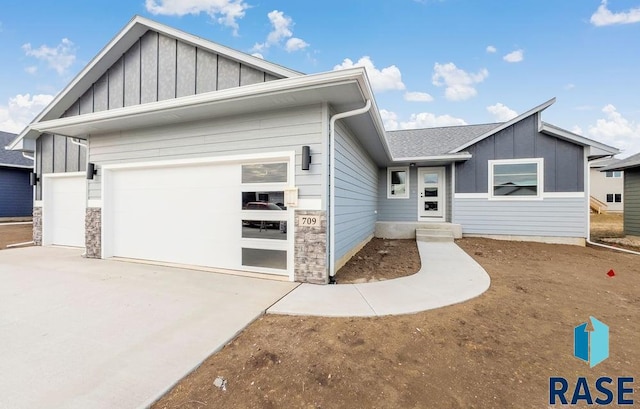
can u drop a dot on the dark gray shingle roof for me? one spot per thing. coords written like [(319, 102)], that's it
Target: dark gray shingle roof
[(632, 161), (11, 158), (417, 143)]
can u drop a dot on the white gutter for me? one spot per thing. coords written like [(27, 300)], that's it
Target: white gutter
[(24, 154), (588, 188), (76, 141), (332, 182)]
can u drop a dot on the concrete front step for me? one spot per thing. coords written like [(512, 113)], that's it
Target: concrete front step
[(434, 235)]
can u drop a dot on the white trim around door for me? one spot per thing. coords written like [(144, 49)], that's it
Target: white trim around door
[(432, 194)]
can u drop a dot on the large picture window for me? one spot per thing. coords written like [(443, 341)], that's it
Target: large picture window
[(515, 178), (398, 183)]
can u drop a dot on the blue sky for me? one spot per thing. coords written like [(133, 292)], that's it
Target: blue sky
[(431, 62)]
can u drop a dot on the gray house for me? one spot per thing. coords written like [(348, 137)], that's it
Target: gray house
[(173, 149), (631, 168), (16, 193)]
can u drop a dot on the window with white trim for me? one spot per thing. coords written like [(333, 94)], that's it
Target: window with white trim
[(398, 183), (614, 174), (516, 178)]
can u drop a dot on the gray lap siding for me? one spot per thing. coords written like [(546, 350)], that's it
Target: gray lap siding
[(275, 131), (632, 201), (356, 180)]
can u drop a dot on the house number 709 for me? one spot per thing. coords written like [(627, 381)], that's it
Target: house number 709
[(308, 221)]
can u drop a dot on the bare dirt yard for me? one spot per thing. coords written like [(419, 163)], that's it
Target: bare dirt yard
[(14, 233), (608, 229), (495, 351)]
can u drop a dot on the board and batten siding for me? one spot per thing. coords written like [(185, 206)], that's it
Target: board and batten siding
[(157, 68), (57, 154), (356, 181), (563, 161), (16, 197), (550, 217), (406, 210), (273, 131), (631, 200)]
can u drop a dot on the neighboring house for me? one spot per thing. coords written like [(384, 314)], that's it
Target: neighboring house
[(181, 134), (16, 193), (605, 188), (631, 168)]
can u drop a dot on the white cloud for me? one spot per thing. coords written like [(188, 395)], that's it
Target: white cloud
[(388, 78), (569, 86), (258, 55), (501, 112), (491, 49), (295, 44), (577, 130), (514, 56), (429, 120), (60, 57), (420, 120), (282, 30), (389, 119), (616, 130), (458, 83), (605, 17), (31, 69), (417, 97), (20, 110), (226, 12)]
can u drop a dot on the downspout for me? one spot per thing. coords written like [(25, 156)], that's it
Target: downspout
[(588, 189), (332, 184), (77, 142), (24, 154)]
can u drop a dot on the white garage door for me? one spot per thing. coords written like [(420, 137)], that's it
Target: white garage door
[(64, 206), (195, 214)]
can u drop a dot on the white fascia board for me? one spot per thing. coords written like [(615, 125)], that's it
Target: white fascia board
[(248, 91), (452, 157), (505, 125), (9, 165), (580, 140)]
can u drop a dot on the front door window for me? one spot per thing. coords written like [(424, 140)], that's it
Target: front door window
[(431, 193)]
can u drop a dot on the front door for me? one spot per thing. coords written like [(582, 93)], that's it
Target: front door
[(431, 193)]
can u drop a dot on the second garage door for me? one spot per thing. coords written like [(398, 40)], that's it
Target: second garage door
[(194, 214), (64, 205)]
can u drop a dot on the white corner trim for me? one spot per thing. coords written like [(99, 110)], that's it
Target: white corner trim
[(563, 195), (37, 203), (94, 203), (309, 204), (471, 196)]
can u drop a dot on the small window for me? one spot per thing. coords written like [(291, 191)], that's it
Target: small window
[(276, 259), (614, 174), (609, 197), (263, 200), (398, 183), (264, 173), (515, 178), (617, 198)]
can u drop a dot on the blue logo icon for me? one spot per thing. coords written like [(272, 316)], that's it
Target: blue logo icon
[(591, 344)]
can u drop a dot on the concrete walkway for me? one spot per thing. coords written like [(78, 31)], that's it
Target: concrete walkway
[(448, 276), (101, 334)]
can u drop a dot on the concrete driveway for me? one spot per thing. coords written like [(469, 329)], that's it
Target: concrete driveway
[(80, 333)]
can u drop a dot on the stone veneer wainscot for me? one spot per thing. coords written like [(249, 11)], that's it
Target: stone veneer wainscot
[(310, 254)]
